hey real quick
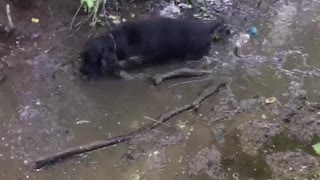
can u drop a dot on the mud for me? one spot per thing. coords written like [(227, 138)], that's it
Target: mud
[(206, 161), (293, 165), (45, 107), (257, 135)]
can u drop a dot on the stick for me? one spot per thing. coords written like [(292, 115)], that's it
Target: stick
[(51, 14), (210, 91), (105, 13), (184, 72), (11, 26), (154, 120), (95, 16), (74, 17), (191, 81), (81, 23)]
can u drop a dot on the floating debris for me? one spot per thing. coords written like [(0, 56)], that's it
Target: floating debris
[(271, 100), (253, 31), (83, 122), (171, 11), (35, 20)]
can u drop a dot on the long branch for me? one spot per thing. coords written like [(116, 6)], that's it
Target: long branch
[(184, 72), (206, 93)]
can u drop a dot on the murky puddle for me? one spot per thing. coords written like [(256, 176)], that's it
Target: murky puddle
[(44, 108)]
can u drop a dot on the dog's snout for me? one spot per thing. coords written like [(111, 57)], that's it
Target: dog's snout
[(227, 29), (84, 75)]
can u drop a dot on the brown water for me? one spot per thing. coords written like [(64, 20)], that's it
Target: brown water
[(44, 108)]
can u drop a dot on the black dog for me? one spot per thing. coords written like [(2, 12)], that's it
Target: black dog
[(153, 40)]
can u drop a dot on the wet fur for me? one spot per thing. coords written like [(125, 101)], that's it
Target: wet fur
[(153, 40)]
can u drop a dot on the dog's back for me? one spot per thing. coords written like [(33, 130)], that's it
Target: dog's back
[(160, 38)]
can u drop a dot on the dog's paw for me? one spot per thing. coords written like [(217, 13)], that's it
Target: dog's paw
[(126, 76)]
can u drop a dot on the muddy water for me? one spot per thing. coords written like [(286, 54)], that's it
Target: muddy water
[(44, 108)]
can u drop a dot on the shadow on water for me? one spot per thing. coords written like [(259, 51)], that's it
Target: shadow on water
[(45, 108)]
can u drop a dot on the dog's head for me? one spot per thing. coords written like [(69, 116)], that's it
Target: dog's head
[(98, 56), (220, 29), (222, 32)]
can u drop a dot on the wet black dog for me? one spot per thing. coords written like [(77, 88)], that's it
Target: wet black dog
[(153, 40)]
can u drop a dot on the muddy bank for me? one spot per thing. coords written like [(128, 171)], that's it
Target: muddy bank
[(46, 108)]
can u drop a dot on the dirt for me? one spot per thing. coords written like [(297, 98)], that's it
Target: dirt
[(206, 161), (293, 165), (46, 107), (257, 134)]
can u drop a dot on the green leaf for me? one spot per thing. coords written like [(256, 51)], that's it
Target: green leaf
[(88, 4), (316, 148)]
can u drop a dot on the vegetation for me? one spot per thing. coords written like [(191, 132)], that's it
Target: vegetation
[(89, 5), (316, 148)]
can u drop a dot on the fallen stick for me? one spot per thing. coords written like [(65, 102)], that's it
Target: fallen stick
[(11, 26), (188, 82), (184, 72), (206, 93)]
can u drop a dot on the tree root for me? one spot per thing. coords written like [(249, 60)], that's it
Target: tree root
[(184, 72), (205, 94)]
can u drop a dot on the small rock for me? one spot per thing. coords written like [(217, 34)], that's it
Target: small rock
[(171, 10), (35, 20)]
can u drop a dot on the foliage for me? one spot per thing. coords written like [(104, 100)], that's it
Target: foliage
[(316, 148), (89, 5)]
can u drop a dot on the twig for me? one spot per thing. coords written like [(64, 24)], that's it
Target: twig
[(51, 14), (74, 17), (105, 13), (259, 4), (184, 72), (92, 29), (191, 81), (80, 24), (11, 26), (206, 93), (95, 16), (151, 119)]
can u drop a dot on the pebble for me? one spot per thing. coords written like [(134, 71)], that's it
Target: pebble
[(253, 31)]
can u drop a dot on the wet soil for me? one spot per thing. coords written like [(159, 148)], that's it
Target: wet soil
[(45, 107)]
